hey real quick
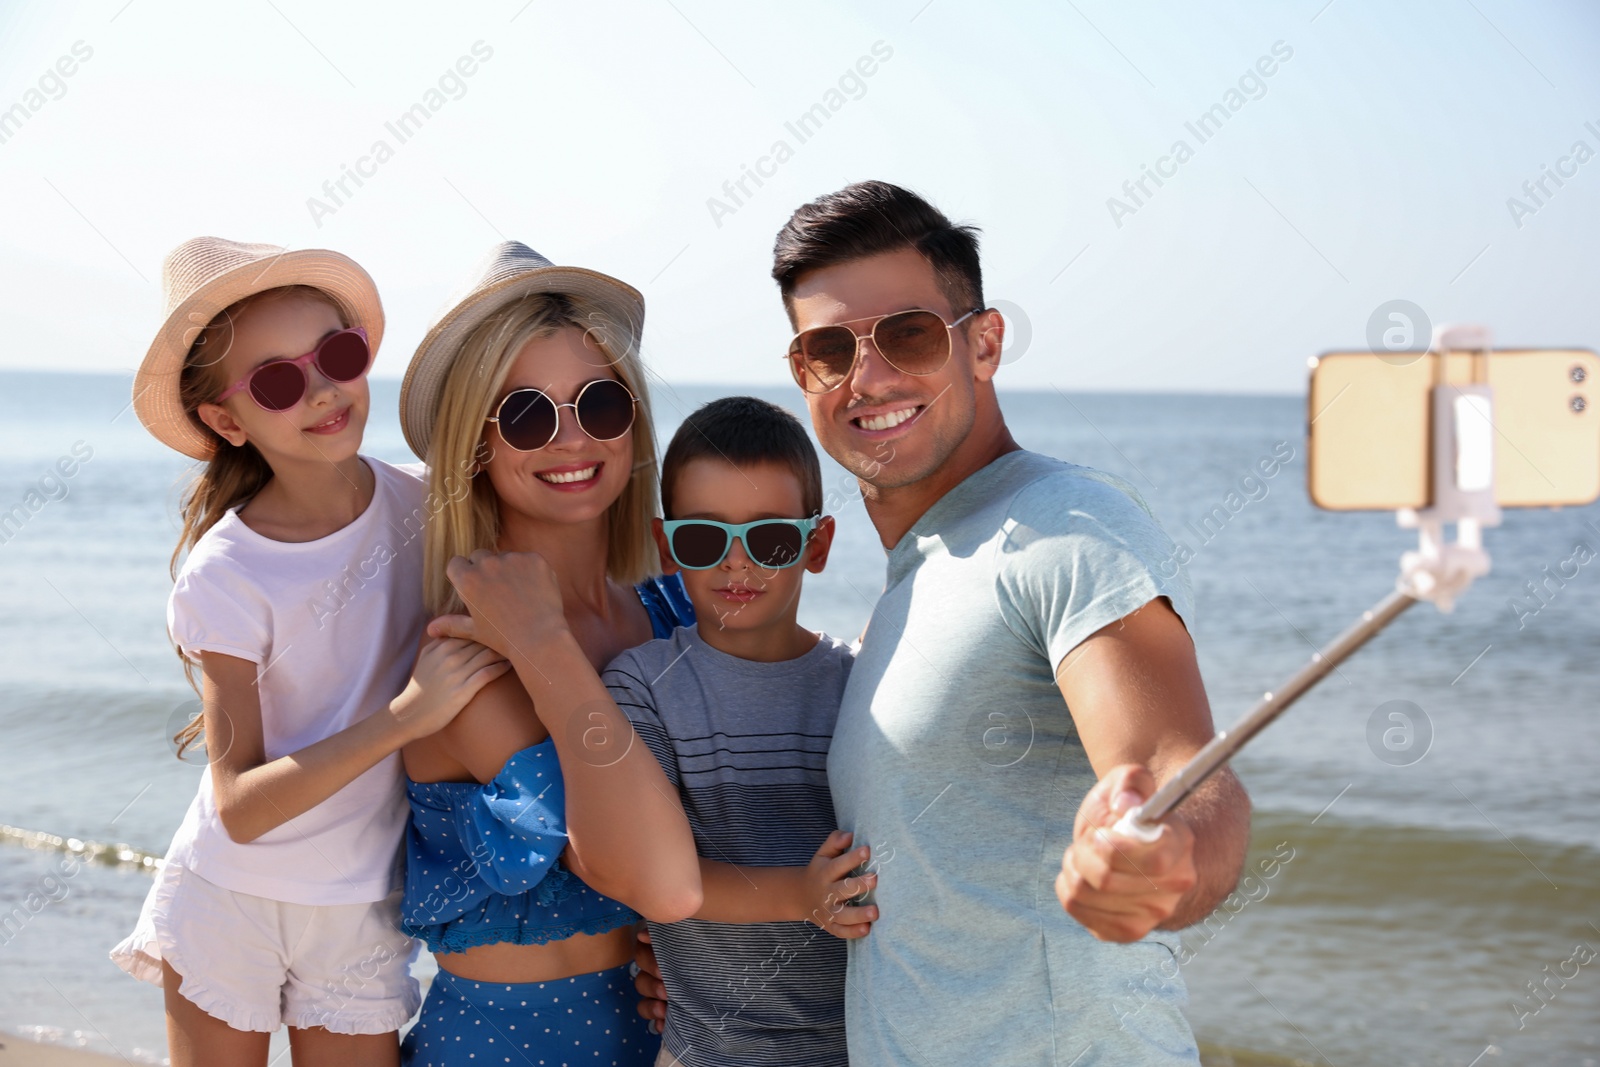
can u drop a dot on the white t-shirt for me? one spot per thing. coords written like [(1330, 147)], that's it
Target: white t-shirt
[(334, 625)]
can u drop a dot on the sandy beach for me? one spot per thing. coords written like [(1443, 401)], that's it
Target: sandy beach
[(21, 1052)]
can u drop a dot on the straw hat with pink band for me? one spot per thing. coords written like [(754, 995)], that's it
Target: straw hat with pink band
[(509, 272), (202, 277)]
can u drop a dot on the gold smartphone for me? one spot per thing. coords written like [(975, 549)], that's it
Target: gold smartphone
[(1369, 426)]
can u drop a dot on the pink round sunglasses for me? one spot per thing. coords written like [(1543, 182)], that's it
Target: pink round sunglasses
[(280, 384)]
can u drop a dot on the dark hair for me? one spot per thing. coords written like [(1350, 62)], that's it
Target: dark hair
[(744, 430), (868, 218)]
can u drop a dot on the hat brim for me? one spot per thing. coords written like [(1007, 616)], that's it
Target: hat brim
[(419, 392), (156, 398)]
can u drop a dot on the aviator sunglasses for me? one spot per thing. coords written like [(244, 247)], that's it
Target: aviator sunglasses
[(280, 384), (529, 419), (913, 342), (700, 544)]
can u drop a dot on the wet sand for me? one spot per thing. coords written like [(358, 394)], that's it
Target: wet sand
[(21, 1052)]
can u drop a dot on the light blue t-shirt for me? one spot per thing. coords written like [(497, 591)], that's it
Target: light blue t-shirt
[(955, 757)]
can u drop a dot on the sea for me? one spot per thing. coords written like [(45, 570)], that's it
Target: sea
[(1423, 886)]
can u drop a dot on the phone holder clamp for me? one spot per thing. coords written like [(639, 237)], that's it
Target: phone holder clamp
[(1463, 431)]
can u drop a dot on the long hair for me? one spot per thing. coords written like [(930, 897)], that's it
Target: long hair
[(463, 513), (234, 473)]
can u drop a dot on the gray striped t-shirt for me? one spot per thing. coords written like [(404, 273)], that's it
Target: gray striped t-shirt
[(746, 745)]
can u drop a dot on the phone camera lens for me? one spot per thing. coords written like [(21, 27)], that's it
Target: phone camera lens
[(1578, 403), (1577, 373)]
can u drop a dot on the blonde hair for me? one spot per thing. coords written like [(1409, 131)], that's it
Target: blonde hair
[(234, 473), (461, 522)]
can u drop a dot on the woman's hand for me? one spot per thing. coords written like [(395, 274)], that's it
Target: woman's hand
[(648, 984), (512, 598), (448, 674)]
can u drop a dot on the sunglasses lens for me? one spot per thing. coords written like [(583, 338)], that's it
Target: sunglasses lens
[(605, 410), (278, 386), (916, 342), (699, 545), (527, 420), (343, 357), (822, 357), (774, 544)]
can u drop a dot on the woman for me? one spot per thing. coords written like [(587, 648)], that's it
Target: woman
[(527, 400)]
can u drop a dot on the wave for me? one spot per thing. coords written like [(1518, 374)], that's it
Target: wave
[(1362, 851), (1348, 863), (116, 854)]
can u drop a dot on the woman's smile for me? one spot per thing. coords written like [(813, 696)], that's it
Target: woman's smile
[(572, 477)]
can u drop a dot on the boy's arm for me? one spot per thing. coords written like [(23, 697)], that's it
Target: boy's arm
[(819, 893), (735, 894), (731, 893)]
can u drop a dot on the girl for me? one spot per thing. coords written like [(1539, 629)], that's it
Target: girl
[(300, 601), (533, 383)]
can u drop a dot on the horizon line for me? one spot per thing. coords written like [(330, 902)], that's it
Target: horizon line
[(1125, 391)]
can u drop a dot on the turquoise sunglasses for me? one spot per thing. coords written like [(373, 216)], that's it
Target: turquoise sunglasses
[(700, 544)]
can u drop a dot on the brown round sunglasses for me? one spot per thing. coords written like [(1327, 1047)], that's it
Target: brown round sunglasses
[(528, 419)]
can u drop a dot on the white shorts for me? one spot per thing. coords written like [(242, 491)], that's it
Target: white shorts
[(257, 964)]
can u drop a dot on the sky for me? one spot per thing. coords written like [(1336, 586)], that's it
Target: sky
[(1357, 153)]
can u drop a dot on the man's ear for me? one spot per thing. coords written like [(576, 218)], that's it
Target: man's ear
[(821, 543), (221, 420), (988, 337), (668, 564)]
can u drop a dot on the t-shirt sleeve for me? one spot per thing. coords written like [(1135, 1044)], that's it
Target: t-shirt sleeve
[(410, 488), (1082, 550), (633, 697), (210, 611)]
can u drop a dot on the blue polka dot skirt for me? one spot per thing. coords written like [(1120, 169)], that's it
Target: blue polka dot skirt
[(584, 1021)]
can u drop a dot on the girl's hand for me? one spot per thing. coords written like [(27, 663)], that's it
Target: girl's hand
[(829, 887), (448, 674)]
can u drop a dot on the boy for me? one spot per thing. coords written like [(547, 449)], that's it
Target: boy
[(739, 710)]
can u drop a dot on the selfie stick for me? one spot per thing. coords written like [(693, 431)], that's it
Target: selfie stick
[(1438, 571)]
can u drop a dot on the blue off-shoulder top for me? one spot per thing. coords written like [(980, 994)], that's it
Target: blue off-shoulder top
[(482, 861)]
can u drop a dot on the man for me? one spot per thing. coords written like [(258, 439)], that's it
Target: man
[(1026, 644)]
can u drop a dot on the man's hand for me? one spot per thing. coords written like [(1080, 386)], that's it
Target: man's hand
[(1134, 691), (1118, 887), (512, 601), (647, 982)]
